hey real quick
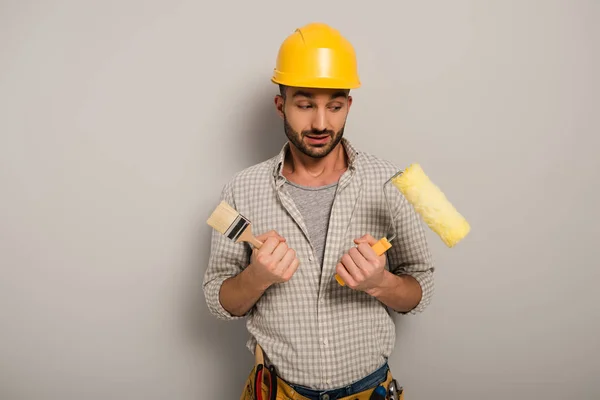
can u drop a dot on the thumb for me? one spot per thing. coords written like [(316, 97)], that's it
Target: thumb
[(370, 240), (263, 237)]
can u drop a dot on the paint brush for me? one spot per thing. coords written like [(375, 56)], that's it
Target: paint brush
[(226, 220)]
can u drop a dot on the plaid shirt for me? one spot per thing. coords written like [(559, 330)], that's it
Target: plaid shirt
[(316, 332)]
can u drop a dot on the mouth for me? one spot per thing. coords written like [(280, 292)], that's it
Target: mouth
[(317, 139)]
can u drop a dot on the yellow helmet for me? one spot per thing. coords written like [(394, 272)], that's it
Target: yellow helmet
[(316, 56)]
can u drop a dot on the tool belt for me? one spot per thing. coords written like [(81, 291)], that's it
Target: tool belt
[(263, 383)]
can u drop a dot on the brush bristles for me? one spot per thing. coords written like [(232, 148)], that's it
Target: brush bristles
[(223, 217)]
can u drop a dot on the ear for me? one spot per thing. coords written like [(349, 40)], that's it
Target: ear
[(349, 102), (279, 104)]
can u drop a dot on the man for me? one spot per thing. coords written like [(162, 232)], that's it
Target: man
[(319, 206)]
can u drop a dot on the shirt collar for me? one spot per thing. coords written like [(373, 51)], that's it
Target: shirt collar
[(280, 158)]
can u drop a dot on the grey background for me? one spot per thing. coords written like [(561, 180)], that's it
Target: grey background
[(120, 121)]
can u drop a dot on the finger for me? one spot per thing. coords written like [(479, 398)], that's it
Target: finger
[(279, 252), (359, 260), (291, 269), (345, 275), (269, 245), (287, 259), (367, 252), (351, 267)]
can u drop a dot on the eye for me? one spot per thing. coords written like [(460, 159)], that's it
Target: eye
[(335, 108), (304, 106)]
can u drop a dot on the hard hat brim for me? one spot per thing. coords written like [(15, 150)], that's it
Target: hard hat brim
[(316, 82)]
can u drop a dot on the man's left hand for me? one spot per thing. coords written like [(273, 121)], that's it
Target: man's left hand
[(360, 268)]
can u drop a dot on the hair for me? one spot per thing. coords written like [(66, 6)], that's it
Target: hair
[(282, 90)]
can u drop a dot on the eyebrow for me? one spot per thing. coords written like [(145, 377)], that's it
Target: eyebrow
[(302, 93)]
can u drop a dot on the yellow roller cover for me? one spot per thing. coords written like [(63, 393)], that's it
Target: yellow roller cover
[(433, 206)]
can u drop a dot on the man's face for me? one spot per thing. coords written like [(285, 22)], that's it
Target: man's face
[(314, 119)]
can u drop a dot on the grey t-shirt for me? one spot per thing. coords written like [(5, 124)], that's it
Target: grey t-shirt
[(314, 203)]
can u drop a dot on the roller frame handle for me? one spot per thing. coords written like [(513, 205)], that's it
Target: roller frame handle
[(380, 247)]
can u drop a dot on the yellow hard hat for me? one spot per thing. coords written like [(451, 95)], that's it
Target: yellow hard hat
[(316, 56)]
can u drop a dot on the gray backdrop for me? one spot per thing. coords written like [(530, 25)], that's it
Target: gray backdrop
[(120, 121)]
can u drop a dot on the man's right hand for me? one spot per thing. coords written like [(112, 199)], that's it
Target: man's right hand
[(274, 262)]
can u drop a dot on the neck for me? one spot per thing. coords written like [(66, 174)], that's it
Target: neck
[(306, 170)]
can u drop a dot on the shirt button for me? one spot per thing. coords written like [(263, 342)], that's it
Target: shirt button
[(326, 342), (310, 258)]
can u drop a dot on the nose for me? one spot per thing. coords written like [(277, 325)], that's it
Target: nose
[(319, 122)]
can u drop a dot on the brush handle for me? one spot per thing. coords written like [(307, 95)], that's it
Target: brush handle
[(380, 247), (248, 236), (255, 242)]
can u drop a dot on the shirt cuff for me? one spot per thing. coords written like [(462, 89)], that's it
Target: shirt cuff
[(211, 293), (425, 280)]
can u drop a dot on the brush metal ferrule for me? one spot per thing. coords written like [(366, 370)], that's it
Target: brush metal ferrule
[(237, 228)]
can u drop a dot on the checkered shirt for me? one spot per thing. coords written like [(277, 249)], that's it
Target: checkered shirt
[(315, 332)]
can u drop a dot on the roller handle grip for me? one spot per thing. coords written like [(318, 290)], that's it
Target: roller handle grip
[(380, 247)]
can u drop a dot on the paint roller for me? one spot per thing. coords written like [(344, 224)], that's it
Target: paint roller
[(430, 203)]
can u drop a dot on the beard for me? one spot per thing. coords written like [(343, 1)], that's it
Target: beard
[(314, 151)]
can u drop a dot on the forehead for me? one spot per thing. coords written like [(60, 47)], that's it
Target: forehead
[(312, 93)]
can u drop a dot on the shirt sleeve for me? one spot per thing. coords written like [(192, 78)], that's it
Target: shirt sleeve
[(410, 253), (226, 260)]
